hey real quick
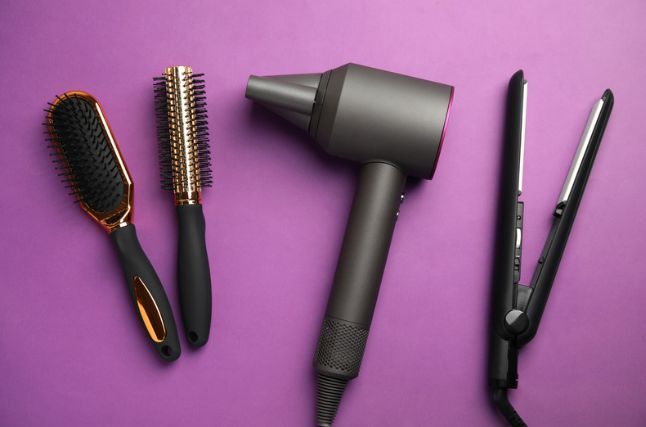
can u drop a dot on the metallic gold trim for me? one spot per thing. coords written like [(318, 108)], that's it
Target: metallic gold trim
[(189, 198), (182, 130), (123, 214), (149, 311)]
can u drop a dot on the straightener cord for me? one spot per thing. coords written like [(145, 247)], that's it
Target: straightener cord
[(506, 409)]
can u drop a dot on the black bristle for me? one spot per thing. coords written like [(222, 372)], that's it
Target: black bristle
[(163, 137), (84, 155)]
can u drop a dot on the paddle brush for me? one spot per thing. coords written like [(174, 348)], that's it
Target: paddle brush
[(90, 163)]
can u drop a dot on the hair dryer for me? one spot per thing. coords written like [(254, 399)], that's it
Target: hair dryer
[(393, 125)]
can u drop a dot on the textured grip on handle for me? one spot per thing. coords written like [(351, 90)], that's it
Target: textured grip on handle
[(194, 275), (340, 348), (147, 293)]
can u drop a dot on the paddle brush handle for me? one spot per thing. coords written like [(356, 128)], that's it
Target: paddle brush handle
[(147, 293)]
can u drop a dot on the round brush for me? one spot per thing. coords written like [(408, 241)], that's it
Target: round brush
[(90, 162), (184, 155)]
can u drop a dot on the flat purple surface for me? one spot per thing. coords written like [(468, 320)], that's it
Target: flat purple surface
[(71, 351)]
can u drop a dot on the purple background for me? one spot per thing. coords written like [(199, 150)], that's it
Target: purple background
[(71, 351)]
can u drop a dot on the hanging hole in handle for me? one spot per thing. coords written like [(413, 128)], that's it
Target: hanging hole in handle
[(166, 350), (193, 337)]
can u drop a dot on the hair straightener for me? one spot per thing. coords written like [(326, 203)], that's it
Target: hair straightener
[(516, 310)]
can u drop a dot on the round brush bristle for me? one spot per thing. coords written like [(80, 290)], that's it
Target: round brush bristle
[(84, 155), (182, 130)]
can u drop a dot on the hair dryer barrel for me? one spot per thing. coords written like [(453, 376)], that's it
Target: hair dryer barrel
[(367, 114), (362, 114)]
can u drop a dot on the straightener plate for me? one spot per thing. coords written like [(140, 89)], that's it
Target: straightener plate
[(586, 137)]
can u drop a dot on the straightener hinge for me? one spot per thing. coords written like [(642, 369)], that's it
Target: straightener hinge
[(523, 293)]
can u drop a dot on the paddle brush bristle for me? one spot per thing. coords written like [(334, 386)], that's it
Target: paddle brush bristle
[(84, 154)]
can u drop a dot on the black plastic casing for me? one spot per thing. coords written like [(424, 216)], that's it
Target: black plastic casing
[(554, 248), (502, 361)]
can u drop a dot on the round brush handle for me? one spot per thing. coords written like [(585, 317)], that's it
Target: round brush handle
[(194, 275), (359, 270), (147, 293)]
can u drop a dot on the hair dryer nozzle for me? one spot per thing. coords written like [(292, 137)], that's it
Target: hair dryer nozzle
[(291, 97)]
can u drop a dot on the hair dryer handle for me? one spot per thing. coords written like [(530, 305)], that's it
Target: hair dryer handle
[(359, 270), (147, 293)]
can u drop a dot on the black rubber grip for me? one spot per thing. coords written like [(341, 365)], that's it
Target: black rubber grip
[(147, 293), (340, 348), (194, 277)]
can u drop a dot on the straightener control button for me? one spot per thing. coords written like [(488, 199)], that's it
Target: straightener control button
[(518, 241)]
